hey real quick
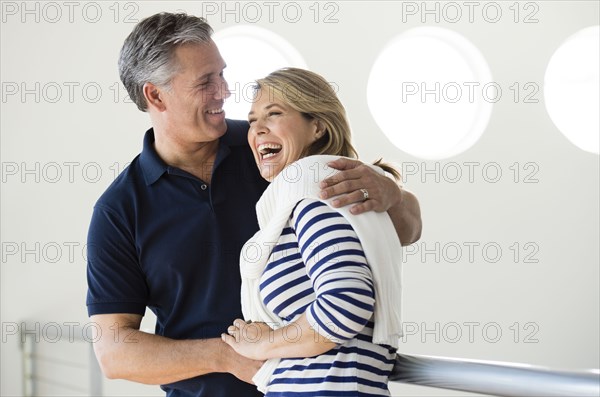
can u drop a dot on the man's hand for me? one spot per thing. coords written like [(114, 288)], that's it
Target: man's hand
[(383, 192), (383, 195), (239, 366)]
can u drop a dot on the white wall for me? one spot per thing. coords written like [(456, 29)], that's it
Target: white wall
[(60, 152)]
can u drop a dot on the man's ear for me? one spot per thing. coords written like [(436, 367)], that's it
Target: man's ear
[(154, 95)]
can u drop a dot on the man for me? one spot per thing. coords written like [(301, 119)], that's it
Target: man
[(168, 231)]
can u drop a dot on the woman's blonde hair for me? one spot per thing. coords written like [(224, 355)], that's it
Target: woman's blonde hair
[(312, 96)]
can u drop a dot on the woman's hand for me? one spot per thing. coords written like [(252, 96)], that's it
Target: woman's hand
[(259, 342), (249, 339)]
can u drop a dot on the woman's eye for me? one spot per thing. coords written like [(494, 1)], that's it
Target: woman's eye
[(274, 113), (251, 121)]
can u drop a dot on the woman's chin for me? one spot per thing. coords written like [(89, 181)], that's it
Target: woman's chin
[(269, 171), (267, 174)]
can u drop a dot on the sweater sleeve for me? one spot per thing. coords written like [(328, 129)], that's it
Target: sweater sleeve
[(338, 269)]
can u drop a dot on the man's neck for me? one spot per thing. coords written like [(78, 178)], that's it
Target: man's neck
[(197, 158)]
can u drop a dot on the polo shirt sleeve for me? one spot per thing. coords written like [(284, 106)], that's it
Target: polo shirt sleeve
[(116, 283)]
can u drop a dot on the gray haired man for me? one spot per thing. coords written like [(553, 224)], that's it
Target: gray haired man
[(168, 231)]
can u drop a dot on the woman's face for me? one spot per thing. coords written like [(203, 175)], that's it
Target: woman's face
[(278, 134)]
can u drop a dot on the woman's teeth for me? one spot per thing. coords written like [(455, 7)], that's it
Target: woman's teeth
[(268, 150)]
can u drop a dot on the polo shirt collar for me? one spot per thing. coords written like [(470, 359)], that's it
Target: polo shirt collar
[(154, 167)]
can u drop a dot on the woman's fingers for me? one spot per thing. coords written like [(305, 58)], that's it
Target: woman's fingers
[(230, 340)]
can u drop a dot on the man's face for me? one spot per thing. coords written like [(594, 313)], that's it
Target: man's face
[(194, 105)]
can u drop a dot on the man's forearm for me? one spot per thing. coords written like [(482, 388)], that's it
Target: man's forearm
[(152, 359), (406, 217)]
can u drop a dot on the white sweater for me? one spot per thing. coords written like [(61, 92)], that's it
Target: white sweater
[(376, 232)]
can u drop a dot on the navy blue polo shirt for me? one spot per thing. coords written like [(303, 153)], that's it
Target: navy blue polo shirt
[(161, 238)]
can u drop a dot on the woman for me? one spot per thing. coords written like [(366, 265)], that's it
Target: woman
[(320, 286)]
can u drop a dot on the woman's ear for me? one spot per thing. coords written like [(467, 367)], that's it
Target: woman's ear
[(319, 129), (153, 96)]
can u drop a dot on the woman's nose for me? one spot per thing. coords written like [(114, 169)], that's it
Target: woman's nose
[(259, 128)]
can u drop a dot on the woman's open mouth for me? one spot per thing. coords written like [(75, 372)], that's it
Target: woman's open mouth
[(268, 150)]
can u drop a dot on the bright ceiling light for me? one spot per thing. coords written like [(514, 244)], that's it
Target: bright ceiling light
[(431, 92), (250, 53), (572, 89)]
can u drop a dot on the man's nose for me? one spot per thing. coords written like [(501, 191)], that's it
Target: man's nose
[(223, 90)]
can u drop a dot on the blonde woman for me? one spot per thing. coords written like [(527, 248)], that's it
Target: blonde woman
[(320, 286)]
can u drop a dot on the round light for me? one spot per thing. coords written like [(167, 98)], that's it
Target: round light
[(431, 92), (251, 53), (571, 89)]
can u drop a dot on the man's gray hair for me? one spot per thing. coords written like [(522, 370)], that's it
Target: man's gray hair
[(147, 53)]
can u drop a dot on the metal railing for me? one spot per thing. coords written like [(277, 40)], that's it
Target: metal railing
[(47, 367), (494, 378), (474, 376)]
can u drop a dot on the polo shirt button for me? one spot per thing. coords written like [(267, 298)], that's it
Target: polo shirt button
[(203, 187)]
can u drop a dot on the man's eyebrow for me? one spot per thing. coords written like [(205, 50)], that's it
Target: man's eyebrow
[(206, 75)]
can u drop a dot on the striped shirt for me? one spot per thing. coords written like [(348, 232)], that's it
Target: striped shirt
[(318, 266)]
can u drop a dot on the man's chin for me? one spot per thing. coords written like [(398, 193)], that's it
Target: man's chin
[(219, 129)]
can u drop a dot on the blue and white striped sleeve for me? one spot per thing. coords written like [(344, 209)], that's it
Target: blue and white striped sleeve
[(338, 269)]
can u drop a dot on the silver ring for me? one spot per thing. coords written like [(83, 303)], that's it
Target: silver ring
[(365, 194)]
